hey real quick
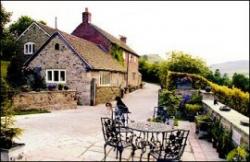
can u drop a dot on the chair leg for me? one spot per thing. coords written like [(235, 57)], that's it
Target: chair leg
[(120, 154), (116, 154), (148, 157), (105, 153)]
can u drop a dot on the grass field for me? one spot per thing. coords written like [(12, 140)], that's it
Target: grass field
[(4, 66)]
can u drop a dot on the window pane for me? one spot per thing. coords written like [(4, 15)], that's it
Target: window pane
[(105, 78), (33, 48), (62, 76), (26, 48), (49, 75), (56, 76), (29, 48)]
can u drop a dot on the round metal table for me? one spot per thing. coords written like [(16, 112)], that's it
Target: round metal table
[(149, 126)]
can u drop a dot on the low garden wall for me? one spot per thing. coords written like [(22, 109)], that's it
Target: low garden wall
[(105, 94), (231, 121), (46, 100)]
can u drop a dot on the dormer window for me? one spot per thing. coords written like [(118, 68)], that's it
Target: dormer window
[(57, 46), (29, 48)]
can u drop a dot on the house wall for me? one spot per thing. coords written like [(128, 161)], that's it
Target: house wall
[(108, 93), (86, 31), (77, 78), (34, 34), (134, 77)]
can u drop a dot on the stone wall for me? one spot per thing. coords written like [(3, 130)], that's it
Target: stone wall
[(77, 77), (49, 100), (106, 94), (34, 34), (230, 125)]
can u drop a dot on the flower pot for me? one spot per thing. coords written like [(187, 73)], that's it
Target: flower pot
[(15, 153)]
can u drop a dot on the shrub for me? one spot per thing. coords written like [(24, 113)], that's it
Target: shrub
[(169, 100), (238, 154), (232, 97), (193, 108)]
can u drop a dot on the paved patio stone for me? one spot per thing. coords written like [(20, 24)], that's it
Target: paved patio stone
[(67, 135)]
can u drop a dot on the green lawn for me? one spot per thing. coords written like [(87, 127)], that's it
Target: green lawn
[(4, 66)]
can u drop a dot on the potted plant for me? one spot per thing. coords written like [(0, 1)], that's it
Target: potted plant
[(238, 154), (60, 87), (52, 87), (66, 87), (191, 110), (10, 150), (215, 132)]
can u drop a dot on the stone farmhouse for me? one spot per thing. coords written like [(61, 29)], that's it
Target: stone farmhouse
[(80, 62)]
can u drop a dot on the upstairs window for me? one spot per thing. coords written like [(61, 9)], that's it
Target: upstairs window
[(105, 78), (56, 76), (29, 48), (57, 46)]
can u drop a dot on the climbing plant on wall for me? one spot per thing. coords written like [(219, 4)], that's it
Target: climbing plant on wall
[(116, 52)]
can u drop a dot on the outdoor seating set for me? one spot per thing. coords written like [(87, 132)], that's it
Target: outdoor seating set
[(159, 140)]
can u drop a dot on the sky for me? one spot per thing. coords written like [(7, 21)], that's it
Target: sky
[(216, 31)]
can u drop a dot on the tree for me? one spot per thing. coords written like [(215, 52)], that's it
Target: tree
[(20, 25), (240, 81), (182, 62), (7, 40), (225, 80), (5, 17), (8, 45), (217, 76)]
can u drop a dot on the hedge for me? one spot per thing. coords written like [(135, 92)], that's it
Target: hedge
[(232, 97)]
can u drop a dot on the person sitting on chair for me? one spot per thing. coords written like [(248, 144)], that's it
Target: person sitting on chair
[(120, 109)]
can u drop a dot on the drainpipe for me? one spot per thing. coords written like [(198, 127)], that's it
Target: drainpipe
[(127, 68)]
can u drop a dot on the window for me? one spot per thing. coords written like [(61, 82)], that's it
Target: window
[(56, 46), (105, 78), (29, 48), (55, 76)]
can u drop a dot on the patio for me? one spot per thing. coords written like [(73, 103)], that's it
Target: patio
[(76, 134)]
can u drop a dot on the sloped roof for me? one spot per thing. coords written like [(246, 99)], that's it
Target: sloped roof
[(93, 55), (46, 28), (114, 39), (88, 51)]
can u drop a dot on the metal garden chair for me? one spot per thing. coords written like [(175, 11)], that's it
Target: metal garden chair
[(171, 147)]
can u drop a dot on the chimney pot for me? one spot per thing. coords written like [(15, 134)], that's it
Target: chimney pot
[(86, 16), (123, 38)]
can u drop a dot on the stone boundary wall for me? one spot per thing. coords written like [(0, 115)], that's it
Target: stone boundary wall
[(244, 140), (46, 100), (106, 94)]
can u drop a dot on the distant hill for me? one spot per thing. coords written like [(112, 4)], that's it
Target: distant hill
[(240, 66), (153, 58)]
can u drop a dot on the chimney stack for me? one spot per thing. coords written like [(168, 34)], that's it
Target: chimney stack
[(123, 38), (55, 22), (86, 16)]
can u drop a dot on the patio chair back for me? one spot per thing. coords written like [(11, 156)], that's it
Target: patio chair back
[(174, 143), (171, 147), (110, 131)]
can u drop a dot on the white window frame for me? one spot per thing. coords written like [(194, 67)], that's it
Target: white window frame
[(29, 45), (100, 78), (59, 75)]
